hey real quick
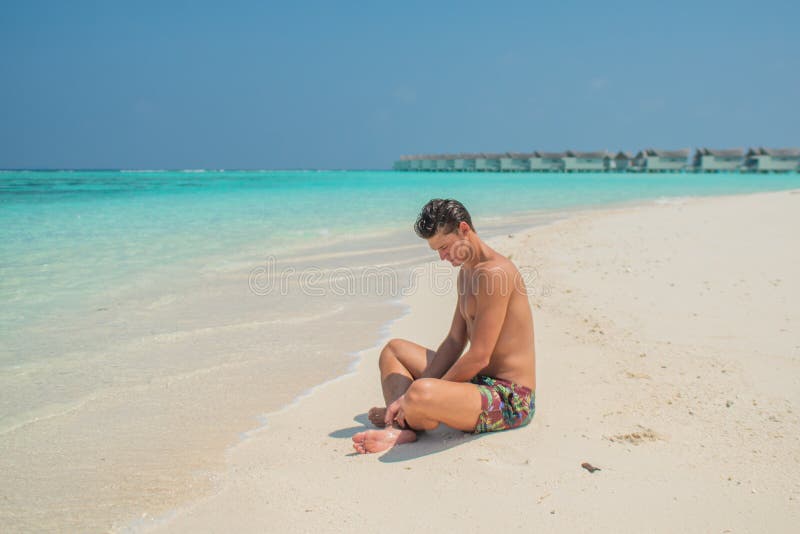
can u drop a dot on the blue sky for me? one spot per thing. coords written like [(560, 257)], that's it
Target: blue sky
[(263, 85)]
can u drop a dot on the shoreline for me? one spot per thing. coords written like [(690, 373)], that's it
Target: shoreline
[(355, 357), (180, 519)]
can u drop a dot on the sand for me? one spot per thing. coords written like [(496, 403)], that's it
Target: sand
[(668, 356)]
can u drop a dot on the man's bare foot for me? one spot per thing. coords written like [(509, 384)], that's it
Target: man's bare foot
[(376, 416), (380, 440)]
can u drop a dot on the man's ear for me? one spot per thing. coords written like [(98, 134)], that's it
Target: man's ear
[(464, 227)]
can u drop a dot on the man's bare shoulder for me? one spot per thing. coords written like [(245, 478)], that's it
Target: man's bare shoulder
[(497, 263), (496, 276)]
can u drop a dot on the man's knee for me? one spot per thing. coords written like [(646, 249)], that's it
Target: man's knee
[(420, 392), (389, 352), (417, 403)]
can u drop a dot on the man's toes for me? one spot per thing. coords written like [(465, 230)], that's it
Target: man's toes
[(366, 445), (375, 444)]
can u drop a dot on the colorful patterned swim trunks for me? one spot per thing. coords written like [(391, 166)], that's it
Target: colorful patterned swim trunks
[(504, 405)]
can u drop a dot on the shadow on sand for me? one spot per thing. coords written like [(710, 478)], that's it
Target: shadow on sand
[(431, 442)]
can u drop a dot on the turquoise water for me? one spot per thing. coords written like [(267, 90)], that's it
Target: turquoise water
[(66, 235)]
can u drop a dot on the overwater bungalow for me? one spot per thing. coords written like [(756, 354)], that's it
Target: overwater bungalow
[(469, 162), (622, 161), (455, 162), (427, 163), (585, 161), (546, 161), (480, 162), (406, 163), (653, 160), (515, 162), (772, 159), (707, 160), (492, 162), (449, 162)]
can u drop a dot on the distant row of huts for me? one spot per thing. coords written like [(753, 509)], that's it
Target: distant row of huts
[(649, 160)]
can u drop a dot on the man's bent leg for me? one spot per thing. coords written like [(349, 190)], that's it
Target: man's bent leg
[(431, 401), (401, 362)]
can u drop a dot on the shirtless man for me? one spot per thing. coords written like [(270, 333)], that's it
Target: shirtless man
[(489, 387)]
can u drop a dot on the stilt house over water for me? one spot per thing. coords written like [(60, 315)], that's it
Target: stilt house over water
[(648, 160), (653, 160), (547, 161), (708, 160), (585, 161), (622, 161), (772, 159)]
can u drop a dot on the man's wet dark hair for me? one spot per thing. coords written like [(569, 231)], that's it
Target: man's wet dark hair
[(441, 214)]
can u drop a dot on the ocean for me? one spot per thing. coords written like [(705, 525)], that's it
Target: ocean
[(150, 319)]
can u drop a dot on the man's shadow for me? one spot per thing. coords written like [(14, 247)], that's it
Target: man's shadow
[(430, 442)]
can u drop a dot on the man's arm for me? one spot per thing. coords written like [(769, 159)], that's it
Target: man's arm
[(448, 352), (450, 349), (492, 298)]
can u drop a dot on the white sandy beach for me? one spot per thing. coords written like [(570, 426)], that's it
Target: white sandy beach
[(668, 354)]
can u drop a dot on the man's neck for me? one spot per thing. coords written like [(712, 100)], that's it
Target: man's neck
[(482, 253)]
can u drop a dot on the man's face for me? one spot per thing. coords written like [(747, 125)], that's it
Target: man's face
[(453, 247)]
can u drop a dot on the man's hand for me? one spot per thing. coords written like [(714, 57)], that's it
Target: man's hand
[(394, 414)]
